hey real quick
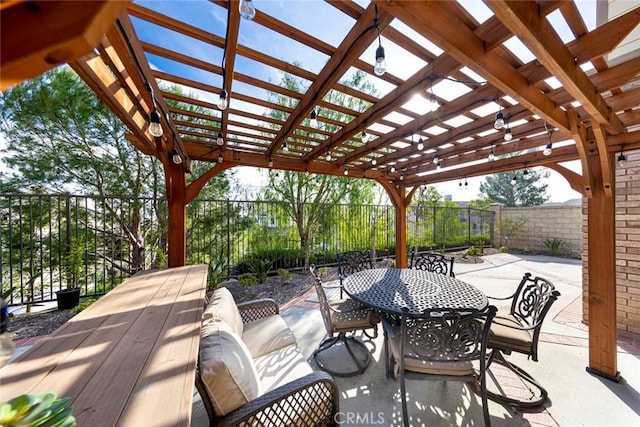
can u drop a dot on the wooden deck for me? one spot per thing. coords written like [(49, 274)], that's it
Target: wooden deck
[(129, 359)]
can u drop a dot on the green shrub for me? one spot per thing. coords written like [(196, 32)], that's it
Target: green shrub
[(84, 304), (284, 273), (527, 250), (503, 249), (472, 251), (555, 245), (247, 279), (260, 268), (323, 272)]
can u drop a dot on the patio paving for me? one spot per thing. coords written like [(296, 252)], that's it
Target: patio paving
[(576, 398)]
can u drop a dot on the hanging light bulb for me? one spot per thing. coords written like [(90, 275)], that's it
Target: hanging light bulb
[(508, 136), (346, 171), (393, 168), (222, 100), (499, 123), (492, 155), (374, 162), (285, 147), (155, 127), (220, 158), (514, 180), (460, 183), (420, 144), (380, 66), (432, 103), (526, 175), (438, 165), (270, 162), (175, 157), (547, 150), (247, 11), (436, 159), (364, 137), (328, 157), (466, 184), (622, 160), (313, 118), (220, 139), (402, 176)]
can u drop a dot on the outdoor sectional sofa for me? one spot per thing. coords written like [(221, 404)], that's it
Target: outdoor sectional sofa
[(251, 372)]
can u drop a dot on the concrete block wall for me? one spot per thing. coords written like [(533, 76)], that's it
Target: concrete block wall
[(627, 248), (544, 222)]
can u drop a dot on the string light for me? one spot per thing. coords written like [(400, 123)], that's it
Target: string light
[(499, 122), (346, 171), (247, 10), (380, 66), (508, 136), (393, 168), (222, 100), (492, 155), (328, 157), (313, 118), (285, 147), (622, 159), (270, 162), (155, 127), (436, 159), (220, 139), (175, 157), (549, 147), (364, 137), (374, 162), (420, 144), (514, 180), (220, 158)]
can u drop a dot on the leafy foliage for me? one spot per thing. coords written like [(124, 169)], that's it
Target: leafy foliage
[(555, 245), (525, 192), (37, 410)]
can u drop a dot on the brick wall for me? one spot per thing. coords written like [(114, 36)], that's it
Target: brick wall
[(544, 222), (627, 248)]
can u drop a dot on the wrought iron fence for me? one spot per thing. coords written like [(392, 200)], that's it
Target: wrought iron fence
[(51, 242)]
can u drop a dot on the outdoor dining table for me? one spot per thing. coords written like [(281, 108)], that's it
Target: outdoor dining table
[(392, 289)]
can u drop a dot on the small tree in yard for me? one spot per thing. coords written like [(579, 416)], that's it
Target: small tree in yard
[(509, 227)]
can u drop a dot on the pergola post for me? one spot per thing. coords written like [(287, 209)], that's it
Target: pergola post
[(601, 239), (401, 235), (177, 209)]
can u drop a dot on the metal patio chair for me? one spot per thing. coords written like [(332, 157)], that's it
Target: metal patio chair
[(432, 261), (351, 262), (341, 317), (519, 330), (440, 345)]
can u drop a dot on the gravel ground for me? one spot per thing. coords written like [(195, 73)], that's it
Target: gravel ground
[(35, 324)]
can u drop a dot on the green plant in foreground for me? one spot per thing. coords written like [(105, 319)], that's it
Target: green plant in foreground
[(37, 410), (284, 273), (555, 245), (84, 304), (248, 279), (259, 268), (323, 272), (503, 249)]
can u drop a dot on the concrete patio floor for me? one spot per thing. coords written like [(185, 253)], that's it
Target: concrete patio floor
[(576, 398)]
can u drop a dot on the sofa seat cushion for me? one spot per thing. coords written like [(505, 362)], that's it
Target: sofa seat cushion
[(281, 367), (501, 336), (222, 307), (226, 368), (266, 335)]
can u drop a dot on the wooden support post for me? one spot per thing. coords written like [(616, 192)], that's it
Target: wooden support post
[(177, 227), (401, 236), (601, 234)]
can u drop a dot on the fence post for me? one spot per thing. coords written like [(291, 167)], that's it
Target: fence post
[(469, 224)]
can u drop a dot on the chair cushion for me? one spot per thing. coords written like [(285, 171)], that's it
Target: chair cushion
[(413, 363), (281, 367), (226, 368), (359, 319), (268, 334), (501, 336), (223, 308)]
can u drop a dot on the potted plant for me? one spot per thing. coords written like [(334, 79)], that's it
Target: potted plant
[(72, 268), (37, 410)]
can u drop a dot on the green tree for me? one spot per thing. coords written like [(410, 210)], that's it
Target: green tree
[(528, 189), (304, 193), (61, 136), (482, 203)]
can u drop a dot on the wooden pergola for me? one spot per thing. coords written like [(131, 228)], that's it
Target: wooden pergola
[(468, 66)]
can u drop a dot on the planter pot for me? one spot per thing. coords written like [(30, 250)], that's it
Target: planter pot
[(68, 298)]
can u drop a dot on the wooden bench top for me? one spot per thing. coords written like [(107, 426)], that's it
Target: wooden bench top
[(129, 359)]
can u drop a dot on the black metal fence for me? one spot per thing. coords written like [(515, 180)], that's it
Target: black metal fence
[(51, 242)]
